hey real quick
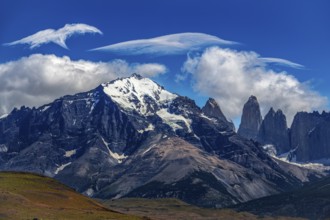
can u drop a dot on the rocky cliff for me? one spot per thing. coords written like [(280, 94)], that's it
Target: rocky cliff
[(251, 119), (274, 130), (213, 110), (307, 140), (310, 136)]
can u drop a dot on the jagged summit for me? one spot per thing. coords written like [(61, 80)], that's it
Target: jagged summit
[(272, 111), (274, 130), (136, 75), (212, 109), (138, 93), (253, 98), (251, 119)]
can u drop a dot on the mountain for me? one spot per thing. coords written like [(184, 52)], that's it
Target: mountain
[(306, 141), (274, 130), (131, 137), (310, 136), (311, 201), (30, 196), (251, 119), (213, 110)]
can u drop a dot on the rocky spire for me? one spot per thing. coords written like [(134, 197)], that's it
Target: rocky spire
[(251, 119), (212, 109), (274, 130)]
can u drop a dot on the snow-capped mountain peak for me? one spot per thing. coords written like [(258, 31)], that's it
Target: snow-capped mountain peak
[(138, 93)]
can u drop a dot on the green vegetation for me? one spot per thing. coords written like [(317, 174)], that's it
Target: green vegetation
[(28, 196), (164, 209)]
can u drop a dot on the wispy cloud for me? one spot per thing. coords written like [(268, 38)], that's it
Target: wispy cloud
[(165, 45), (231, 76), (39, 79), (281, 62), (58, 36)]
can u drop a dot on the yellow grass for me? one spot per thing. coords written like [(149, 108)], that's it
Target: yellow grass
[(29, 196)]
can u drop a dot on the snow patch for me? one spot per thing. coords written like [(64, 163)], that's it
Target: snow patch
[(223, 132), (89, 192), (173, 119), (60, 168), (116, 156), (3, 148), (270, 149), (311, 131), (150, 127), (146, 151), (208, 118), (45, 108), (93, 106), (3, 116), (130, 93), (319, 165), (70, 153), (198, 138)]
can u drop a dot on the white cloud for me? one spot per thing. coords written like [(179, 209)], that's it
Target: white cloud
[(58, 36), (39, 79), (281, 62), (232, 76), (150, 69), (165, 45)]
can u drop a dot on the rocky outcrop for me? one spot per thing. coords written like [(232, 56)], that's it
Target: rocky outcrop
[(251, 119), (212, 109), (308, 139), (310, 136), (274, 130)]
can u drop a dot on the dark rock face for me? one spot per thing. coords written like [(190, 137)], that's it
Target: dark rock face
[(212, 109), (251, 119), (274, 130), (310, 136), (310, 202), (129, 133)]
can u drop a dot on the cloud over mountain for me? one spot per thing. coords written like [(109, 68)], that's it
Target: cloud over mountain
[(165, 45), (232, 76), (58, 36), (39, 79)]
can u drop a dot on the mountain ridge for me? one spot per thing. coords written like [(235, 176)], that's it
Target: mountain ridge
[(95, 144), (305, 141)]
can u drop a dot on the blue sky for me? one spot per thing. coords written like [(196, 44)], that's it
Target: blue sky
[(297, 31)]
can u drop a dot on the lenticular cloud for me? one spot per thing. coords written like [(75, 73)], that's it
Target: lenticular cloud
[(165, 45), (58, 36)]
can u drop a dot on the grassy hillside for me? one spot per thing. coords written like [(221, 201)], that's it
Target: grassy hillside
[(28, 196), (164, 209)]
